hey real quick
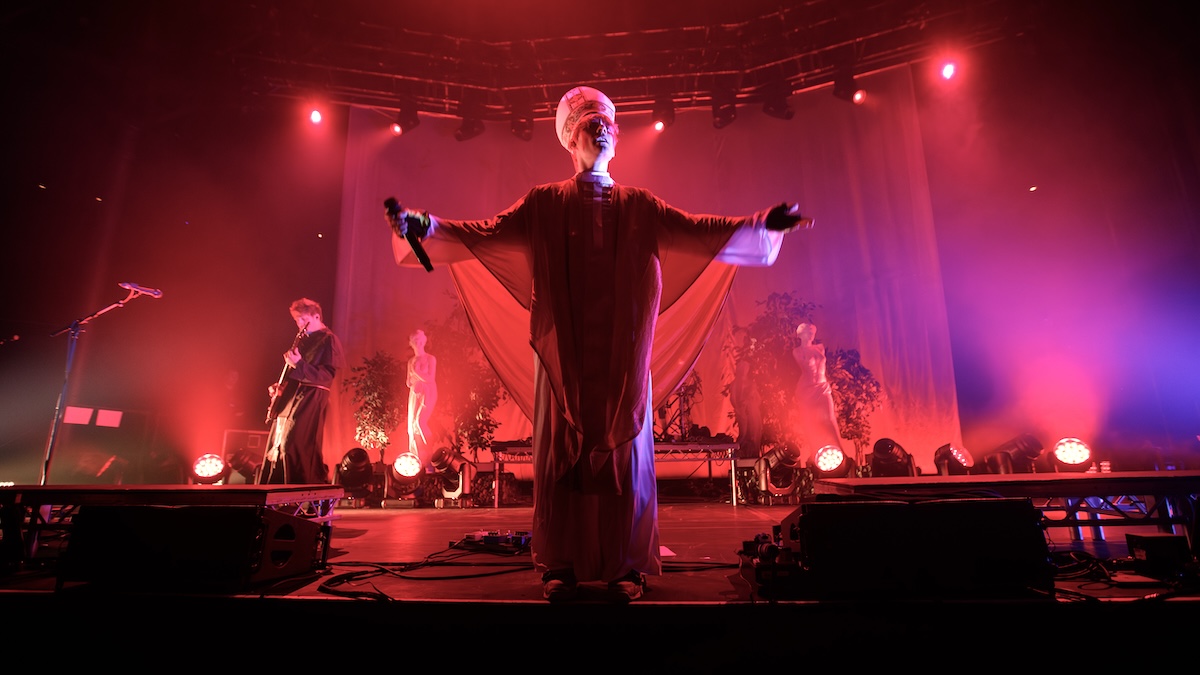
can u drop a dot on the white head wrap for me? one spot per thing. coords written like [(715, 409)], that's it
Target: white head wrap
[(574, 105)]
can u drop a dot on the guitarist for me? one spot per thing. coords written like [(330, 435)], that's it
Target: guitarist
[(299, 400)]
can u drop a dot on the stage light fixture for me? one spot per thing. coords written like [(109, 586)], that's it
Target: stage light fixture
[(830, 462), (776, 471), (724, 108), (889, 460), (846, 88), (407, 465), (1017, 455), (209, 469), (454, 472), (471, 111), (775, 100), (953, 461), (404, 475), (664, 113), (1072, 455), (354, 473), (245, 463), (522, 123), (470, 128), (406, 119)]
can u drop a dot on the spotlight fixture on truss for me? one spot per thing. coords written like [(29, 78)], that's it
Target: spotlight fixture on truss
[(775, 100), (471, 112), (522, 120), (724, 108), (664, 113), (846, 87), (406, 119), (470, 128)]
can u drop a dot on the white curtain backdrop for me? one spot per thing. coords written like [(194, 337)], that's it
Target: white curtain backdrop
[(870, 264)]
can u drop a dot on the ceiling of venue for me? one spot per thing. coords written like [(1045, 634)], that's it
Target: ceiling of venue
[(485, 59)]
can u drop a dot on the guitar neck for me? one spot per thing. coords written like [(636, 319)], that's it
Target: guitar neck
[(271, 407)]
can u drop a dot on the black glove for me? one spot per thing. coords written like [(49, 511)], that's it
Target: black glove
[(412, 226), (786, 217), (416, 223), (403, 220), (783, 217)]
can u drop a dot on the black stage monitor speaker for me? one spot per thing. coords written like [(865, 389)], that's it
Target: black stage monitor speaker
[(196, 549), (1159, 555), (938, 549)]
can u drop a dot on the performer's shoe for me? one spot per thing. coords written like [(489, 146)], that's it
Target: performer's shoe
[(628, 588), (559, 585)]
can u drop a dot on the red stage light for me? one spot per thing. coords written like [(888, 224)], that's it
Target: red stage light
[(831, 462), (1072, 454), (209, 469), (404, 476), (407, 465)]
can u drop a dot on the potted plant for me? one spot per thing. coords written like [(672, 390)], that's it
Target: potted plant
[(768, 359), (377, 385)]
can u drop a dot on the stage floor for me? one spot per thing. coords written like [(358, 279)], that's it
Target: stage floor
[(463, 573)]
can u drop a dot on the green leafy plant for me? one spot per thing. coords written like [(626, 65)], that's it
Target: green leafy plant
[(469, 390), (378, 395), (856, 394), (768, 351)]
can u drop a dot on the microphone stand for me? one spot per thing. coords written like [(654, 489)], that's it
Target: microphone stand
[(73, 330)]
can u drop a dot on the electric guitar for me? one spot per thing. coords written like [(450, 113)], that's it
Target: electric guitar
[(277, 397)]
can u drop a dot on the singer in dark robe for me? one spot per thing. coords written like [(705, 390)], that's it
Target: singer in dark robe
[(592, 263), (299, 401)]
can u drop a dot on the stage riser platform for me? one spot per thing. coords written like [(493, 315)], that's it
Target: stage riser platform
[(209, 539)]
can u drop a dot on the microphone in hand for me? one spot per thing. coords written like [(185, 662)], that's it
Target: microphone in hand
[(395, 218), (406, 224)]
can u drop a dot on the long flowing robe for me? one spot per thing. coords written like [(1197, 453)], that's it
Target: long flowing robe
[(592, 263)]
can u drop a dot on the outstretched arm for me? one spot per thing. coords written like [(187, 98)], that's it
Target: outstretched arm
[(786, 218), (439, 245), (758, 244)]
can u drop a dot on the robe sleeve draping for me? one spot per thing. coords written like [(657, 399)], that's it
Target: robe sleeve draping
[(697, 273)]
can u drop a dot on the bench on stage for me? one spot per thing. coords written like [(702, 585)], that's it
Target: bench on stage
[(520, 452), (182, 537), (1162, 499)]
